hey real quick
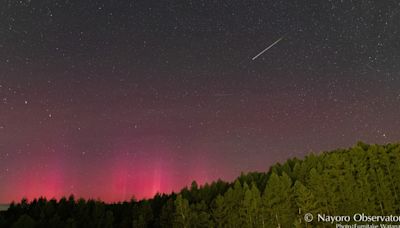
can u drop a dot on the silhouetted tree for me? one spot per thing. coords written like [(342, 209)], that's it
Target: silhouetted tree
[(182, 212), (24, 221), (363, 178)]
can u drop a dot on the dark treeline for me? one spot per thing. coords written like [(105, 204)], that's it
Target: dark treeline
[(365, 178)]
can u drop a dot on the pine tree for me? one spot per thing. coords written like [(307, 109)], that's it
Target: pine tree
[(3, 221), (144, 215), (305, 202), (24, 221), (278, 208), (109, 219), (182, 212), (319, 186), (70, 223), (384, 196), (250, 208), (232, 201), (363, 195), (219, 212), (167, 214), (199, 216), (56, 222)]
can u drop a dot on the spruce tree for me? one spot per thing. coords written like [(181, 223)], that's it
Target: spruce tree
[(250, 208), (24, 221), (305, 203), (219, 212), (278, 207), (182, 212)]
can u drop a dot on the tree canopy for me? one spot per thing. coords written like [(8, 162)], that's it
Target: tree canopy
[(364, 178)]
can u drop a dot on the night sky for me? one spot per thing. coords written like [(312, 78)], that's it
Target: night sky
[(117, 98)]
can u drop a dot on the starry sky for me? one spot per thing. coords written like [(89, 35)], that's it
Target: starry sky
[(109, 99)]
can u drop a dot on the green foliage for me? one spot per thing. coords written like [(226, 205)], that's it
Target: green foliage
[(250, 208), (278, 206), (305, 202), (24, 221), (365, 178), (167, 214), (199, 215), (182, 212), (219, 211)]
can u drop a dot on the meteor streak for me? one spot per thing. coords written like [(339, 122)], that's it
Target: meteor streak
[(266, 49)]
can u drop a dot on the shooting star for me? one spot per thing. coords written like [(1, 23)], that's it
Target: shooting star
[(266, 49)]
